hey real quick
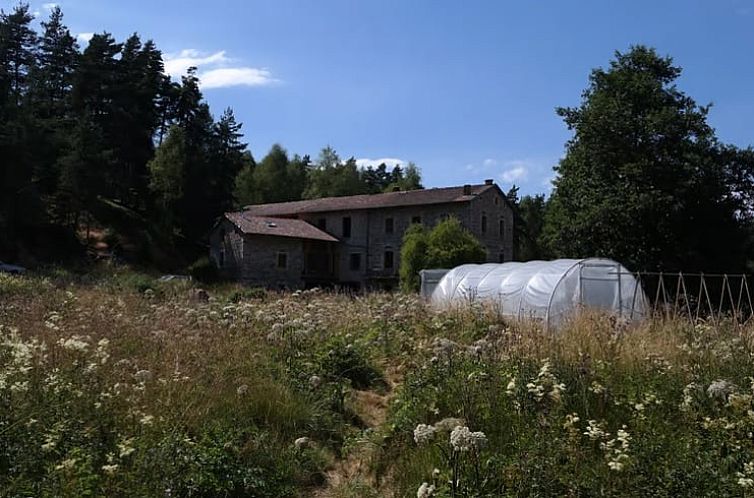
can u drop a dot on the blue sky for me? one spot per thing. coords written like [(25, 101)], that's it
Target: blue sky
[(467, 90)]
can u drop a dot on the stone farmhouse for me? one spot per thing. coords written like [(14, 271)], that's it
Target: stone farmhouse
[(351, 241)]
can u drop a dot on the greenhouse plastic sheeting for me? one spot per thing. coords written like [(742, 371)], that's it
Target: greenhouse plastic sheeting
[(546, 290)]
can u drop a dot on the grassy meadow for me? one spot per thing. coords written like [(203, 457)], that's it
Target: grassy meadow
[(116, 384)]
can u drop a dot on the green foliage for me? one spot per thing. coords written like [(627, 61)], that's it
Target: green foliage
[(529, 218), (246, 294), (262, 397), (413, 257), (275, 179), (167, 170), (331, 177), (574, 418), (447, 245), (203, 270), (644, 179), (450, 245), (107, 125), (379, 179), (342, 360)]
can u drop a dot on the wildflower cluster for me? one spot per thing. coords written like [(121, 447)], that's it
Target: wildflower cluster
[(546, 384)]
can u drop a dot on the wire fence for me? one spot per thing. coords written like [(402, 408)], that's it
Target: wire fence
[(697, 296)]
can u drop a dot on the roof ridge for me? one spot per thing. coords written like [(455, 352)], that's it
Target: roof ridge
[(323, 200)]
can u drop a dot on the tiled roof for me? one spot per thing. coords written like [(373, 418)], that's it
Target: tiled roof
[(281, 227), (389, 199)]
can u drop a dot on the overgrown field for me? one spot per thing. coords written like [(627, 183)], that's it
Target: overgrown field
[(115, 384)]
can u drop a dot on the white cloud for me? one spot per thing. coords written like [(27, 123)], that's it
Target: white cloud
[(84, 37), (517, 172), (176, 65), (216, 70), (489, 163), (49, 6), (236, 76), (389, 162), (36, 14)]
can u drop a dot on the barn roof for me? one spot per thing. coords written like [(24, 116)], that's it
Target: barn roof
[(442, 195), (280, 227)]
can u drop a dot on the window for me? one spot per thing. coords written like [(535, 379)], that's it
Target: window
[(416, 220), (497, 201), (388, 225), (388, 260), (346, 226), (282, 262), (484, 223), (502, 227), (354, 262), (502, 257), (322, 223)]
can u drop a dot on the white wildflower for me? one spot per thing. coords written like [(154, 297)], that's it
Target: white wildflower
[(242, 389), (315, 381), (143, 376), (110, 469), (125, 448), (745, 482), (426, 490), (74, 343), (147, 420), (595, 431), (462, 439), (720, 389), (571, 420), (423, 434), (66, 464), (301, 443)]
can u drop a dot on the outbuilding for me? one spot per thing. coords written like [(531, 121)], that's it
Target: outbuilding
[(549, 291)]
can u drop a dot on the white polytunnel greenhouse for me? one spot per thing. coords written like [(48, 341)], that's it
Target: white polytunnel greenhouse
[(549, 291)]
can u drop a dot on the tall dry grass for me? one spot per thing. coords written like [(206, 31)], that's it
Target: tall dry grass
[(114, 384)]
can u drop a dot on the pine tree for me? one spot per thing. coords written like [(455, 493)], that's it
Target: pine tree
[(226, 161), (19, 202), (51, 84)]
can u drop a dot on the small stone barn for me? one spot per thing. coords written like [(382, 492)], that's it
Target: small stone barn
[(272, 252)]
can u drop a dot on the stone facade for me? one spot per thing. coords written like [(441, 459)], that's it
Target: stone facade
[(371, 237), (367, 253), (257, 260)]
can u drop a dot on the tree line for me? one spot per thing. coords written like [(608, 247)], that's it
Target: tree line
[(644, 178), (103, 136)]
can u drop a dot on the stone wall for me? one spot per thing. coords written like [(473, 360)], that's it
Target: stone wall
[(370, 239), (493, 205), (253, 259)]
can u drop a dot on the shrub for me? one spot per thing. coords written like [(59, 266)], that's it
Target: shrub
[(239, 295), (447, 245), (344, 360), (203, 270), (413, 257)]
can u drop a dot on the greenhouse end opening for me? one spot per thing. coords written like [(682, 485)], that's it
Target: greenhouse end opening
[(547, 291)]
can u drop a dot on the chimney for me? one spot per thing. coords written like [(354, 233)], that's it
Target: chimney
[(396, 188), (489, 181), (467, 190)]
